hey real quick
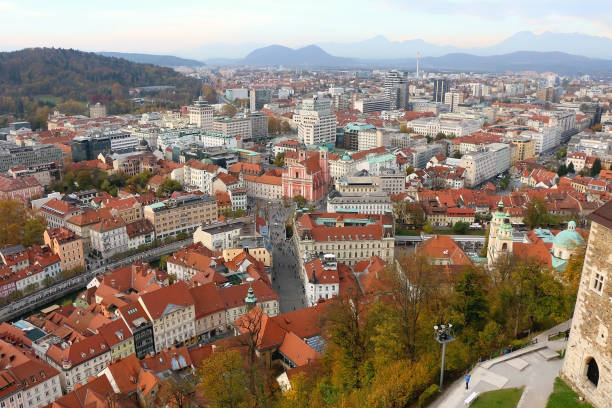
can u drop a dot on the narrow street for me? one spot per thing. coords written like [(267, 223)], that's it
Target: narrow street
[(286, 277)]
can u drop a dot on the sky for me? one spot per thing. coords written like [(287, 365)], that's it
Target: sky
[(186, 27)]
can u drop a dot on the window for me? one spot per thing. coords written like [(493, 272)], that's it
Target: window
[(598, 282), (593, 372)]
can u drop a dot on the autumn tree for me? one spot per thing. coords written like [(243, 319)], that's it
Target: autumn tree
[(285, 127), (279, 159), (20, 225), (228, 110), (179, 391)]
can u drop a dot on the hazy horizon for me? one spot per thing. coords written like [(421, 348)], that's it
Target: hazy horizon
[(182, 29)]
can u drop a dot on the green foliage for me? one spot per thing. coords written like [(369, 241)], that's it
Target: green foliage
[(564, 397), (163, 262), (504, 398), (98, 180), (596, 168), (505, 182), (34, 80), (570, 168), (461, 228), (228, 110), (409, 170), (428, 228), (457, 154), (562, 170), (440, 136), (428, 395), (483, 251), (561, 153), (300, 201), (279, 160), (536, 215), (19, 224), (169, 186), (405, 129)]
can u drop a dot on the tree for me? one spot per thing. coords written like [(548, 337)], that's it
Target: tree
[(163, 262), (457, 154), (300, 201), (20, 225), (274, 125), (537, 215), (409, 170), (228, 110), (440, 136), (562, 170), (461, 227), (570, 168), (428, 228), (279, 160), (209, 93), (179, 391), (169, 186), (285, 127), (596, 169), (405, 129), (561, 153), (469, 301), (222, 380)]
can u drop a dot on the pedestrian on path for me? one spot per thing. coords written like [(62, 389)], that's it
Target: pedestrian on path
[(567, 332), (467, 381)]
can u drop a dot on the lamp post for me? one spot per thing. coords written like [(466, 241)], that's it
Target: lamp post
[(443, 334)]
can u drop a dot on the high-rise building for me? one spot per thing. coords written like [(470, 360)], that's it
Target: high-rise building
[(546, 94), (588, 360), (453, 99), (440, 88), (201, 114), (315, 121), (396, 89), (259, 97), (259, 126)]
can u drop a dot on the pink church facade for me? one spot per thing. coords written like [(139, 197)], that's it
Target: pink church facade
[(309, 177)]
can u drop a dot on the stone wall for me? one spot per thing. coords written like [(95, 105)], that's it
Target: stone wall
[(592, 324)]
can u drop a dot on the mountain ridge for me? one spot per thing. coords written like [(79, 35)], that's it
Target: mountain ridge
[(169, 61)]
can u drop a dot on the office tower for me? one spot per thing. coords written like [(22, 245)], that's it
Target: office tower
[(97, 111), (201, 114), (315, 121), (453, 99), (546, 94), (259, 126), (259, 97), (441, 87), (396, 89)]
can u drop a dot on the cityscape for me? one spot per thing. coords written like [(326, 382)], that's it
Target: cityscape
[(384, 217)]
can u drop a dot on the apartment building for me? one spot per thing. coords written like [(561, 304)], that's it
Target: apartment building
[(25, 188), (210, 316), (109, 237), (56, 212), (171, 310), (27, 382), (187, 262), (181, 214), (67, 245), (350, 237), (234, 300), (322, 278), (236, 126), (195, 175), (12, 155), (79, 360), (264, 187), (315, 122), (482, 165)]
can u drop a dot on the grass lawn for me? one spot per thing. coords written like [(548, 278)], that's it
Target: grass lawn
[(506, 398), (564, 397), (469, 232), (48, 99)]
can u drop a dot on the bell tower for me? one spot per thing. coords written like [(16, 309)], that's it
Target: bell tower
[(500, 235)]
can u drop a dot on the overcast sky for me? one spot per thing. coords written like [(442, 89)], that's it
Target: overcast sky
[(180, 26)]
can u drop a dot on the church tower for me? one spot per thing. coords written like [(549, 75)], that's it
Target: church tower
[(500, 235)]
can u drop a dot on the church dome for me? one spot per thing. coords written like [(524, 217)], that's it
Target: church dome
[(568, 238)]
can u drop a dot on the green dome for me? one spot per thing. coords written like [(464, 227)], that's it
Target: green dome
[(346, 157), (568, 238)]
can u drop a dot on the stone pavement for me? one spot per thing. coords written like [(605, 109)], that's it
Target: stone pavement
[(529, 368)]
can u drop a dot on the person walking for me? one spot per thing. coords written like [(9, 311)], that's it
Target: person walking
[(467, 381)]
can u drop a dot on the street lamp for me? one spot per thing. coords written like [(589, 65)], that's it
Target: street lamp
[(443, 334)]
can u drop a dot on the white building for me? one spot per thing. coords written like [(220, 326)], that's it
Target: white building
[(315, 121), (372, 138), (109, 237), (453, 99), (195, 175), (321, 280), (201, 114), (482, 165), (236, 126), (546, 138), (365, 203), (457, 128), (210, 139)]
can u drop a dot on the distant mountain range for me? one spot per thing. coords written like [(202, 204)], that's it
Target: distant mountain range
[(571, 43), (313, 56), (310, 55), (159, 60)]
